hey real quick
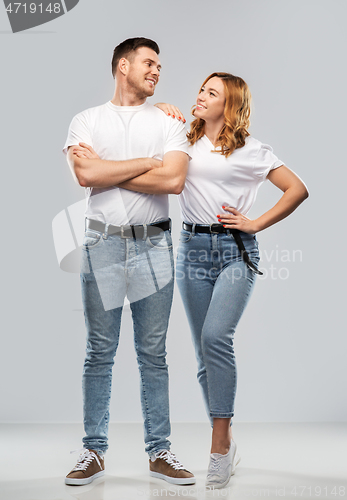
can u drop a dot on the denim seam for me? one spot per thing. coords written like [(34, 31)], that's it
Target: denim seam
[(214, 414), (148, 421)]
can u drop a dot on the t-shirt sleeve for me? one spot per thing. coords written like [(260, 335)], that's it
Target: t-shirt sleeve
[(265, 161), (79, 131), (176, 139)]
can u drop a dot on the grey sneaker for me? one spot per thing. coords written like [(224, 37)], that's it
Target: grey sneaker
[(89, 466), (222, 467)]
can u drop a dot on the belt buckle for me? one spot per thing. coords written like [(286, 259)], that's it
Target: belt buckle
[(127, 228), (211, 230)]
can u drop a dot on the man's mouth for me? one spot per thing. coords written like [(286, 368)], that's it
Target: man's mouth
[(151, 81)]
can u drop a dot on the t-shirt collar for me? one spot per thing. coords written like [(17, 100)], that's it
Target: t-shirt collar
[(127, 108)]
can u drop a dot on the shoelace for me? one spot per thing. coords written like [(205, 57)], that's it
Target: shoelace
[(85, 459), (171, 459), (214, 467)]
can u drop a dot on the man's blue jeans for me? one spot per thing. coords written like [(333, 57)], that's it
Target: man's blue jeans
[(215, 285), (115, 266)]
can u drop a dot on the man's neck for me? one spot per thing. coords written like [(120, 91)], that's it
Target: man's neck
[(123, 98)]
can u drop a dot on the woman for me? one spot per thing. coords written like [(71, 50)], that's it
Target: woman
[(218, 252)]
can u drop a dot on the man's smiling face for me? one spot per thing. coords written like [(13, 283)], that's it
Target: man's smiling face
[(144, 71)]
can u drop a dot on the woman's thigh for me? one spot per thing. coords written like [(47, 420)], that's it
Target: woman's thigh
[(231, 293)]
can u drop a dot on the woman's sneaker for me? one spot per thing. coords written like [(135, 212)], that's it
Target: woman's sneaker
[(222, 467), (164, 465), (89, 466)]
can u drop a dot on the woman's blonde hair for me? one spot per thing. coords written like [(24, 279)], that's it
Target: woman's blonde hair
[(237, 111)]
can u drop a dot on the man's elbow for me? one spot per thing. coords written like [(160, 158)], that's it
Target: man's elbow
[(81, 173), (177, 185), (80, 176)]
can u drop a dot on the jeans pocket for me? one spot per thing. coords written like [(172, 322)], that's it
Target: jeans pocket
[(91, 239), (161, 240), (185, 236)]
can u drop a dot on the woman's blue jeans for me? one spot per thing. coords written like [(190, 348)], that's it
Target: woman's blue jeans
[(215, 285), (115, 266)]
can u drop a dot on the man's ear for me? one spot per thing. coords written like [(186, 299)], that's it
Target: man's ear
[(123, 65)]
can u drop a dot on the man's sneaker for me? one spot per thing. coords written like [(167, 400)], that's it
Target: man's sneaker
[(89, 466), (222, 467), (164, 465)]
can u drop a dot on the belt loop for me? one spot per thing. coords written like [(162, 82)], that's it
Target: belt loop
[(193, 229), (144, 231), (105, 235)]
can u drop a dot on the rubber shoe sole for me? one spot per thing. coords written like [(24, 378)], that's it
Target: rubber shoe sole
[(80, 482), (173, 480)]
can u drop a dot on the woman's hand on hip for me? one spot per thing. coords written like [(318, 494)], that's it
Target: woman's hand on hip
[(170, 110), (234, 219)]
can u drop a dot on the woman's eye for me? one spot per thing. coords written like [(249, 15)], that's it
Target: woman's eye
[(211, 93)]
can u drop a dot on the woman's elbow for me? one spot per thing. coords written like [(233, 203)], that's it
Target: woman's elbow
[(304, 192)]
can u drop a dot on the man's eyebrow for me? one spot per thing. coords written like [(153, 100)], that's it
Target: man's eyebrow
[(151, 60)]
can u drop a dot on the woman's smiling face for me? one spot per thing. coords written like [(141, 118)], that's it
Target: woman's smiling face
[(211, 100)]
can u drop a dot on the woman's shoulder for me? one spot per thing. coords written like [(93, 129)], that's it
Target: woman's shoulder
[(252, 142)]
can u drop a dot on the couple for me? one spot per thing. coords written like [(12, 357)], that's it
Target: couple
[(129, 155)]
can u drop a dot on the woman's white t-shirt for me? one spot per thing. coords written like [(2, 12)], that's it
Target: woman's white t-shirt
[(214, 180)]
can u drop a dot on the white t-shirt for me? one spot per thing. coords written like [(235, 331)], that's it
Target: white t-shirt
[(123, 133), (214, 180)]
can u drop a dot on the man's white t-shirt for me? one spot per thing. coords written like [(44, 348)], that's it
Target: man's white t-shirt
[(124, 133), (214, 180)]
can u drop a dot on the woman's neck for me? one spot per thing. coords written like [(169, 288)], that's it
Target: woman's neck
[(212, 130)]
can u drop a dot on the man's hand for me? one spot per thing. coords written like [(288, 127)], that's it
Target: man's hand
[(83, 150)]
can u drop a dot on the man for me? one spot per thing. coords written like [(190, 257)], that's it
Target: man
[(129, 156)]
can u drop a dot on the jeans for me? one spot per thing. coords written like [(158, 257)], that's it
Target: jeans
[(115, 266), (215, 285)]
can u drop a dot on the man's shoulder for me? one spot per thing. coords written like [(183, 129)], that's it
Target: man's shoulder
[(89, 113)]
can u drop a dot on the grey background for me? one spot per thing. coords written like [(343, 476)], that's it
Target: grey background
[(291, 342)]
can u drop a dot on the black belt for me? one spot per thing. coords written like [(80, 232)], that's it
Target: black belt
[(220, 229), (130, 231)]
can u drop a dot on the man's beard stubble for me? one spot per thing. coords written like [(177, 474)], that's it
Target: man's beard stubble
[(139, 92)]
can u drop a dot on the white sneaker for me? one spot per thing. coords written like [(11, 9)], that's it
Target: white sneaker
[(222, 467)]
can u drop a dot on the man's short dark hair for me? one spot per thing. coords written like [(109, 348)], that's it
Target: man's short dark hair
[(128, 46)]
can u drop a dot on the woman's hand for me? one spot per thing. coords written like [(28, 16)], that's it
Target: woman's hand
[(83, 150), (235, 220), (171, 110)]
